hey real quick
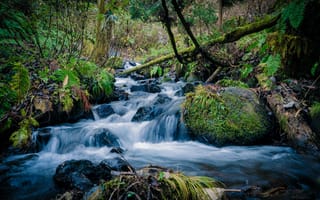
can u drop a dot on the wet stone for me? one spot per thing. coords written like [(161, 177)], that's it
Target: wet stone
[(104, 110)]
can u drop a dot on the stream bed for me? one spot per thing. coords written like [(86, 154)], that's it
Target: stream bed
[(147, 127)]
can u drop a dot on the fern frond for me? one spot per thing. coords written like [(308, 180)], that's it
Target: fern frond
[(294, 13), (61, 74), (105, 82), (20, 82)]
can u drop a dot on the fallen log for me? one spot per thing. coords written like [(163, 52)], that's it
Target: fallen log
[(287, 110), (236, 34)]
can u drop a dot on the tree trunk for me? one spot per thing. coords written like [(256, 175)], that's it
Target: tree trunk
[(167, 23), (220, 14), (103, 34)]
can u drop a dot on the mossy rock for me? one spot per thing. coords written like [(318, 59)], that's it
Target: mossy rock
[(227, 116)]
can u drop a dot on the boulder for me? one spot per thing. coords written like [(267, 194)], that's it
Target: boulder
[(104, 137), (162, 99), (226, 116), (104, 110), (151, 88), (147, 113), (80, 174)]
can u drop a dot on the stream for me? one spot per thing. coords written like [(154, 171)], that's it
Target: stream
[(155, 137)]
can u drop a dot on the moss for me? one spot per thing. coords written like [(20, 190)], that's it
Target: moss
[(232, 83), (232, 116)]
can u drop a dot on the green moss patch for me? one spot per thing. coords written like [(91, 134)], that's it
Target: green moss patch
[(228, 116)]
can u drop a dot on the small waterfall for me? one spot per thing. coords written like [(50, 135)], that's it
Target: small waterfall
[(119, 123)]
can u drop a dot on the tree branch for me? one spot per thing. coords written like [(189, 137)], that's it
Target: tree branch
[(167, 22), (236, 34)]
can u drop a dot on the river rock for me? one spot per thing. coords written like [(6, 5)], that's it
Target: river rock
[(57, 115), (144, 114), (151, 88), (147, 113), (80, 174), (188, 87), (162, 99), (104, 137), (121, 94), (226, 116), (116, 164), (104, 110)]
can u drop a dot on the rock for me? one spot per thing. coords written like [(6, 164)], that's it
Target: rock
[(162, 99), (118, 150), (104, 137), (145, 113), (57, 115), (121, 94), (151, 88), (104, 110), (189, 87), (137, 77), (80, 174), (226, 116), (116, 164)]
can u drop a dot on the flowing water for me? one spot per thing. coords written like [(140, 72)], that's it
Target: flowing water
[(160, 140)]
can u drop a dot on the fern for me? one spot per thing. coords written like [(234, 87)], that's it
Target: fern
[(105, 82), (20, 82), (294, 13), (60, 75), (271, 64), (156, 70)]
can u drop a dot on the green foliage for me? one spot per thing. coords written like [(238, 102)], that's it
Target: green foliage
[(22, 136), (224, 117), (246, 70), (156, 70), (65, 98), (114, 62), (7, 98), (315, 110), (103, 84), (14, 25), (203, 13), (165, 185), (44, 75), (20, 82), (144, 10), (271, 64), (231, 83), (314, 69), (61, 74), (293, 13)]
